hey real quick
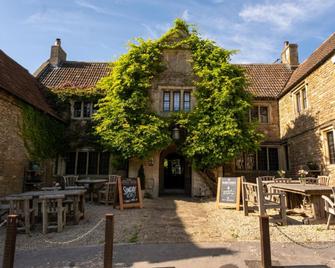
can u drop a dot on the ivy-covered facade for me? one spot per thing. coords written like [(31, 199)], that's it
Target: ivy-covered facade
[(174, 111)]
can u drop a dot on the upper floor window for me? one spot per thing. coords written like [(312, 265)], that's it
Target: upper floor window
[(176, 101), (301, 99), (187, 101), (260, 114), (166, 101), (331, 146), (83, 109)]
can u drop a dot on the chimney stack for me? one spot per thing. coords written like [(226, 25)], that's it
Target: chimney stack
[(289, 55), (57, 55)]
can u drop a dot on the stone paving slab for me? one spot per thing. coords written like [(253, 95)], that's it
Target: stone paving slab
[(180, 255)]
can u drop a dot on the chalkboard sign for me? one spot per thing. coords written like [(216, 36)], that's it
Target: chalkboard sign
[(130, 194), (228, 192)]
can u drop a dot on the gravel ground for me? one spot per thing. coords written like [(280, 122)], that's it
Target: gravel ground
[(172, 220)]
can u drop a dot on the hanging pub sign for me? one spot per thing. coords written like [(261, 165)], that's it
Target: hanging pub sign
[(130, 195), (228, 192)]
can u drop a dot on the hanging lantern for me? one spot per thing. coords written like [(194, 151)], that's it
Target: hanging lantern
[(176, 133)]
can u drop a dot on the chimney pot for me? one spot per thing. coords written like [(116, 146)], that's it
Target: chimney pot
[(58, 42), (286, 43)]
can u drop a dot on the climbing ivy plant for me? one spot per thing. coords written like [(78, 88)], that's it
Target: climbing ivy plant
[(216, 130), (42, 134)]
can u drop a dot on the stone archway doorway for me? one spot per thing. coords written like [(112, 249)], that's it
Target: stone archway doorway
[(175, 173)]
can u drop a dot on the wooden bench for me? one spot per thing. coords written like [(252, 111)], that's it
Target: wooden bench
[(254, 198)]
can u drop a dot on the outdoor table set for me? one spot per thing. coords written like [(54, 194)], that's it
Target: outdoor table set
[(307, 188), (49, 204)]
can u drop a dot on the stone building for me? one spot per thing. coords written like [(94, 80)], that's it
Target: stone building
[(307, 113), (17, 87), (294, 104), (166, 171)]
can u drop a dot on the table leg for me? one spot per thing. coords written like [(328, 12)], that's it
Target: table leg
[(76, 209), (91, 192), (82, 205), (318, 207), (27, 216)]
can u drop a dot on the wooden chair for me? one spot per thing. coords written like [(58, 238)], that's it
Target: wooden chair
[(324, 180), (113, 178), (70, 180), (309, 180), (329, 208), (282, 180), (21, 207), (266, 178), (108, 195), (255, 198), (53, 212)]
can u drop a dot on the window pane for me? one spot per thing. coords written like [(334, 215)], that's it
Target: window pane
[(187, 101), (262, 159), (176, 101), (331, 147), (298, 101), (250, 161), (287, 157), (81, 163), (87, 109), (273, 159), (93, 163), (104, 163), (264, 118), (254, 113), (304, 98), (70, 161), (77, 109), (166, 101), (94, 107), (239, 162)]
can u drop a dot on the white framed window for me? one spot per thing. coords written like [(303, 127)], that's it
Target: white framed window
[(87, 162), (260, 113), (82, 109), (300, 99)]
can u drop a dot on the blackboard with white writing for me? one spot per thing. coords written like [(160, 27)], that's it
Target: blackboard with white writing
[(129, 190), (130, 194), (228, 191)]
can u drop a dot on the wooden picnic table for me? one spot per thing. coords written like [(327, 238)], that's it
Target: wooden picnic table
[(78, 197), (91, 184), (313, 191)]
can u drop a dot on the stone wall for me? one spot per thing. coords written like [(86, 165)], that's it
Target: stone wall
[(13, 156), (304, 132)]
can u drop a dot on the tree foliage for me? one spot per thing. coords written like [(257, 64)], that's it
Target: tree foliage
[(216, 130)]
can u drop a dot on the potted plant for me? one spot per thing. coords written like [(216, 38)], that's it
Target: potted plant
[(281, 173), (302, 174)]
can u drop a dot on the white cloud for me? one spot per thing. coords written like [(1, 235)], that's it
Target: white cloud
[(91, 6), (283, 14), (185, 15)]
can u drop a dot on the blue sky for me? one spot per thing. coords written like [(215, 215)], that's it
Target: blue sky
[(99, 30)]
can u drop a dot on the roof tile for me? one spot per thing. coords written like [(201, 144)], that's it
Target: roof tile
[(17, 81), (326, 49)]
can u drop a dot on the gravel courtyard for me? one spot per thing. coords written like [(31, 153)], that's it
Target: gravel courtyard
[(172, 220)]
